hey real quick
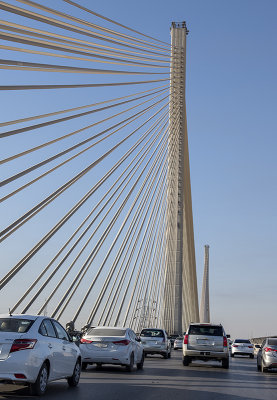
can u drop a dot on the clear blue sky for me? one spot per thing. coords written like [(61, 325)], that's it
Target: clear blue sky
[(231, 106)]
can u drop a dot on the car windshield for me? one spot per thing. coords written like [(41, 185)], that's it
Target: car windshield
[(15, 325), (107, 332), (205, 330), (272, 342), (242, 341), (152, 333)]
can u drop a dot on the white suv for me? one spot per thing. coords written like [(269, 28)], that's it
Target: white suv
[(205, 342), (155, 341)]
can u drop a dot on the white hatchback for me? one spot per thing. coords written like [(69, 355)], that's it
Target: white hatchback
[(35, 350), (111, 345)]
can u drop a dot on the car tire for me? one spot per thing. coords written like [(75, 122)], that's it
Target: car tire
[(84, 366), (130, 366), (73, 380), (232, 355), (225, 363), (165, 355), (140, 364), (186, 361), (251, 355), (263, 368), (38, 388)]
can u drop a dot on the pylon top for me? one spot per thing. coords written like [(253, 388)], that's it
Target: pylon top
[(180, 25)]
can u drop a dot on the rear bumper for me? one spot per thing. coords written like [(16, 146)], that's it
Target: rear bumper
[(205, 355), (242, 352)]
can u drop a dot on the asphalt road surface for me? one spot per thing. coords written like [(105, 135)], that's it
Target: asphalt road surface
[(163, 380)]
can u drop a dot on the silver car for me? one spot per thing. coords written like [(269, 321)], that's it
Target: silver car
[(242, 347), (205, 342), (267, 355), (155, 341)]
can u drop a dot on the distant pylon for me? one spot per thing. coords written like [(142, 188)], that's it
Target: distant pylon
[(205, 298)]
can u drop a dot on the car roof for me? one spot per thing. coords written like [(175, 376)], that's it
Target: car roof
[(21, 316), (111, 327), (204, 324)]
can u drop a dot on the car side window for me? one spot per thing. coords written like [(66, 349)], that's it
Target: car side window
[(61, 332), (46, 328), (132, 335)]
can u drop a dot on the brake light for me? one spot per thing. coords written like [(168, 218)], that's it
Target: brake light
[(85, 341), (269, 349), (225, 342), (186, 339), (23, 344), (250, 347), (235, 345), (123, 342)]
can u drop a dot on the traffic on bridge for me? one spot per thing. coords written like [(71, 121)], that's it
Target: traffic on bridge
[(98, 281)]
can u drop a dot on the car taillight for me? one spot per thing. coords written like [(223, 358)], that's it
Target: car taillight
[(186, 339), (225, 342), (123, 342), (269, 349), (250, 347), (23, 344), (235, 345), (83, 340)]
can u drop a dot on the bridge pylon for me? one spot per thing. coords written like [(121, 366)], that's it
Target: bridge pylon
[(181, 296)]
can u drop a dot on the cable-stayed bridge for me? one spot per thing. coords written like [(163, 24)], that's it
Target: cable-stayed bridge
[(96, 214)]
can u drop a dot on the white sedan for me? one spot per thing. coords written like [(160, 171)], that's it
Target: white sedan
[(242, 347), (111, 345), (35, 350)]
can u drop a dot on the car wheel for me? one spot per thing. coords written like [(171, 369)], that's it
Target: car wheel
[(232, 355), (186, 361), (165, 355), (263, 368), (38, 388), (130, 366), (74, 379), (140, 364), (225, 363), (84, 366)]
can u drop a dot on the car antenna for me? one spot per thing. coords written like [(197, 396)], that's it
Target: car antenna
[(10, 312)]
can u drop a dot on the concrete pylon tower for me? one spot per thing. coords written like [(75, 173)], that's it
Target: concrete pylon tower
[(181, 297), (205, 297)]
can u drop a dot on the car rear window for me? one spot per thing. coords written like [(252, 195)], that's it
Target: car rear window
[(205, 330), (152, 333), (107, 332), (272, 342), (242, 341), (15, 325)]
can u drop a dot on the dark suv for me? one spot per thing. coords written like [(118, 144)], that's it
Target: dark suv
[(205, 342)]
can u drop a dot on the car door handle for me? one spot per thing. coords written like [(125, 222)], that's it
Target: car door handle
[(50, 346)]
